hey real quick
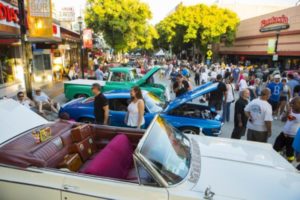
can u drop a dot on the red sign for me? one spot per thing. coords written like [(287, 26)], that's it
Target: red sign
[(8, 13), (274, 20), (87, 38)]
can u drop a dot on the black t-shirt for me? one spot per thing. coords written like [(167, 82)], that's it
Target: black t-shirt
[(218, 94), (99, 103), (184, 88), (239, 107)]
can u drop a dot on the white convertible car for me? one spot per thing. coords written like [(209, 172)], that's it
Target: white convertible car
[(71, 161)]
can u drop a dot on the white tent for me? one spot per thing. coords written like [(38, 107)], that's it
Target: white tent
[(160, 53)]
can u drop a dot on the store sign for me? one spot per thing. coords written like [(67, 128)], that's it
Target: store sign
[(9, 15), (56, 30), (271, 46), (67, 14), (274, 24), (40, 18), (88, 38)]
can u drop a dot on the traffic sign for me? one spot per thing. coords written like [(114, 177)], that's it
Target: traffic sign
[(209, 53)]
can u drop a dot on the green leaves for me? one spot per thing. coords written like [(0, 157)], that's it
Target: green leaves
[(199, 24), (124, 23)]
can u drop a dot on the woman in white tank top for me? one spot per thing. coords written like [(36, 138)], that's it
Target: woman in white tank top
[(136, 109)]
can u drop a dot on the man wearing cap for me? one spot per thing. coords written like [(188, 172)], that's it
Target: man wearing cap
[(276, 88), (101, 109)]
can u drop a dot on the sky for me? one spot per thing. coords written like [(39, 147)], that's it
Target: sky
[(161, 8)]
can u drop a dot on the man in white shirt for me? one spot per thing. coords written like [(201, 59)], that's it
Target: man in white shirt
[(286, 137), (259, 113), (44, 102), (243, 84), (99, 74)]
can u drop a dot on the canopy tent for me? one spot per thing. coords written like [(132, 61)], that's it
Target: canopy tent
[(160, 53)]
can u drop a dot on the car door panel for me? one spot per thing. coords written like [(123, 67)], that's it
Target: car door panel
[(16, 184), (91, 188)]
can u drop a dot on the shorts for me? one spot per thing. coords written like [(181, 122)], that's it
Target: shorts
[(257, 136), (274, 104), (283, 98), (216, 104)]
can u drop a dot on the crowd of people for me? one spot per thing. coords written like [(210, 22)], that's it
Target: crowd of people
[(258, 100), (261, 101)]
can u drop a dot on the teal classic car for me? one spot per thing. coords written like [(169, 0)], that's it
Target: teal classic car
[(119, 78)]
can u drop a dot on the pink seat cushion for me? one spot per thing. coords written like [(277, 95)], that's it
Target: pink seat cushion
[(114, 161)]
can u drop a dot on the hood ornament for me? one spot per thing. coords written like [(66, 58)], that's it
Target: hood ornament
[(208, 194)]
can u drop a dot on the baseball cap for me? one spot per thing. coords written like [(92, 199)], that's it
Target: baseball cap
[(277, 76)]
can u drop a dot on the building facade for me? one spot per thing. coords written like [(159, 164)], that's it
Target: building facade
[(11, 70), (258, 37)]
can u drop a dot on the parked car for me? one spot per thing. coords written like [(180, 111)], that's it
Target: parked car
[(181, 112), (88, 162), (119, 78)]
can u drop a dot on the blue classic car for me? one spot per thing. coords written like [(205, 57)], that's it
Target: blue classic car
[(181, 112)]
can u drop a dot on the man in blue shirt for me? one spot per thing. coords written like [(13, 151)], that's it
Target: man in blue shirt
[(292, 82), (276, 88), (236, 74)]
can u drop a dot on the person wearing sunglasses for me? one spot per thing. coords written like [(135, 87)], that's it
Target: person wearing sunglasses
[(44, 102), (25, 101)]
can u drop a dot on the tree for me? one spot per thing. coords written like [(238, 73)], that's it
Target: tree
[(124, 23), (197, 26)]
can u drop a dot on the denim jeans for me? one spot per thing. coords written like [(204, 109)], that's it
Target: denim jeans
[(226, 111)]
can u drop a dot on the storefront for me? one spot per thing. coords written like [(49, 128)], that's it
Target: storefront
[(11, 67), (46, 60), (257, 38), (69, 48)]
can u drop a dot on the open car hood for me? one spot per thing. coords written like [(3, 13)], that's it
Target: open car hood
[(16, 119), (195, 93), (148, 75)]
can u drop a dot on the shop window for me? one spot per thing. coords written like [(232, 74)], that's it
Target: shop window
[(42, 62), (6, 71)]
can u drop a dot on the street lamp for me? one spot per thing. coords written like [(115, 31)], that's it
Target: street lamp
[(79, 19)]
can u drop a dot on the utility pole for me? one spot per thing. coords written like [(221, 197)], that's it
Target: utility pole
[(81, 46), (27, 70)]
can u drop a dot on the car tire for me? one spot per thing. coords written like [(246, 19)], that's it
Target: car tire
[(80, 95), (189, 130), (87, 120)]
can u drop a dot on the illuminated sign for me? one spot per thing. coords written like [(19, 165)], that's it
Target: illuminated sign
[(88, 38), (274, 24), (40, 18), (9, 15)]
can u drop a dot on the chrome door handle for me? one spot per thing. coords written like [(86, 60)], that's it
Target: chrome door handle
[(70, 187)]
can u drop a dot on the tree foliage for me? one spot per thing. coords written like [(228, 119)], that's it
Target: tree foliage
[(124, 23), (198, 25)]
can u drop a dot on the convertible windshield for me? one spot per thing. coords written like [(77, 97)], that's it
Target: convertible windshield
[(168, 150)]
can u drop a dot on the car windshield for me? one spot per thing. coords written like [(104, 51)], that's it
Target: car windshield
[(168, 150), (134, 75), (153, 103)]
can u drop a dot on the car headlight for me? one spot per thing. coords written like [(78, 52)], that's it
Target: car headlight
[(216, 131)]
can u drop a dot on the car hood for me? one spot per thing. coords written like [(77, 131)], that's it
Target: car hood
[(195, 93), (16, 119), (148, 75), (244, 170)]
